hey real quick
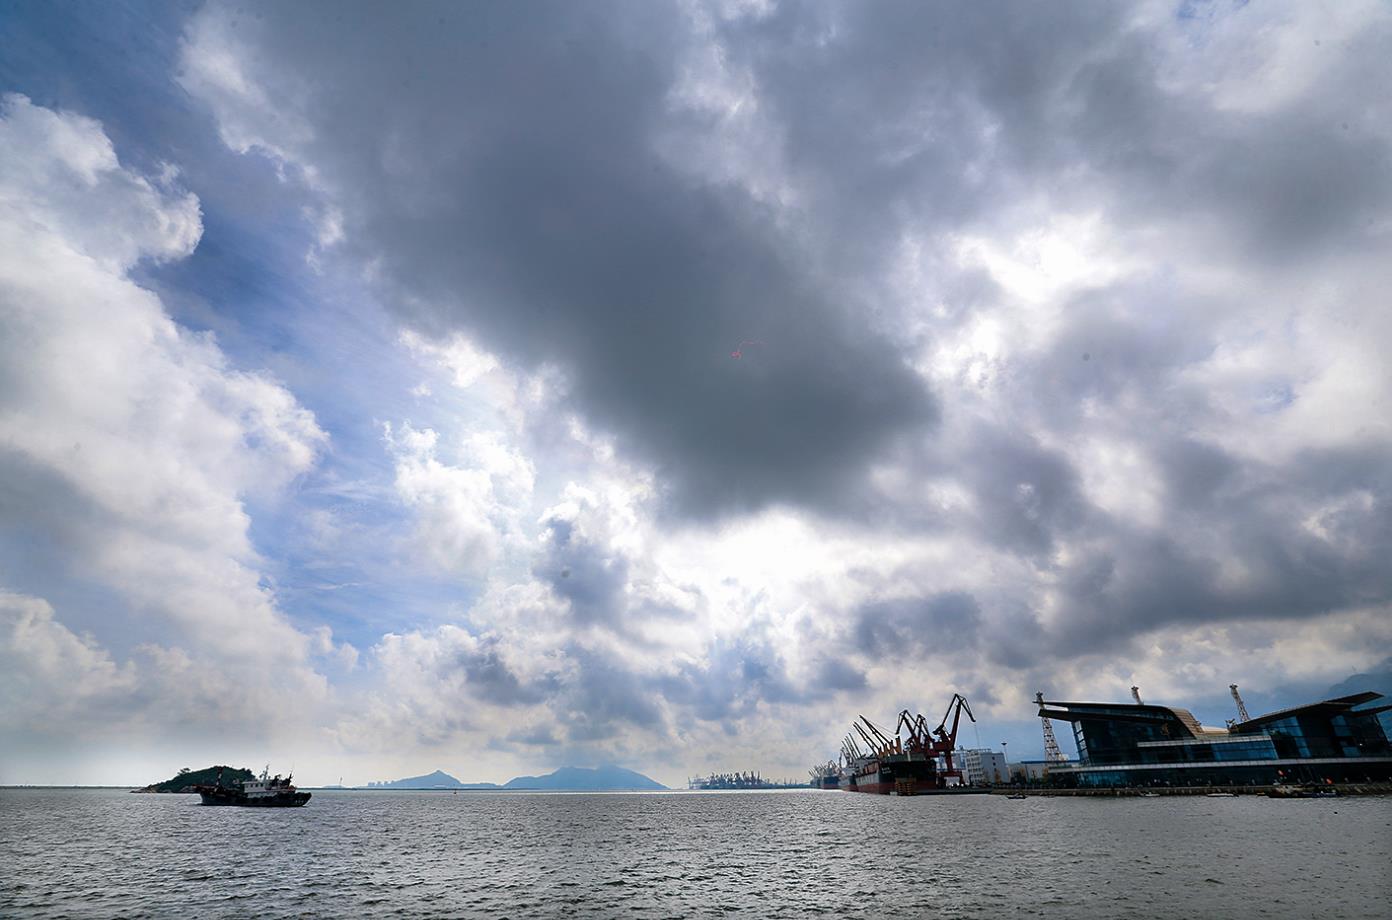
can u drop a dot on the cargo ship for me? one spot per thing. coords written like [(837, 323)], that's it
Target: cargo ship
[(265, 791), (916, 760), (826, 775), (895, 774)]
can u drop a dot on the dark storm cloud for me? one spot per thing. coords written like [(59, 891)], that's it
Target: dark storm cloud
[(1026, 493), (929, 115), (906, 626), (832, 675), (600, 694), (730, 681), (901, 113), (1240, 542), (498, 167), (497, 164), (603, 696), (590, 576), (492, 680)]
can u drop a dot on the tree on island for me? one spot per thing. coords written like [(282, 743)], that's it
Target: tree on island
[(185, 780)]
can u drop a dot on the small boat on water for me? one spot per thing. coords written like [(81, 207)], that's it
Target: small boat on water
[(265, 791), (1222, 795), (1017, 795)]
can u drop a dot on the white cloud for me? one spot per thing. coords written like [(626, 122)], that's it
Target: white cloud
[(60, 176), (143, 438), (58, 687), (52, 675), (1106, 318), (465, 361), (465, 513), (213, 68)]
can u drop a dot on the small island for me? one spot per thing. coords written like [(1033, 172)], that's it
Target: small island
[(186, 781)]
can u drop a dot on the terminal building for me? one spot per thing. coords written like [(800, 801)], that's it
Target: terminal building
[(1343, 740), (983, 767)]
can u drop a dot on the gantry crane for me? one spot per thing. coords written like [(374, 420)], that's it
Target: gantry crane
[(912, 739), (1052, 754), (947, 740), (1242, 715)]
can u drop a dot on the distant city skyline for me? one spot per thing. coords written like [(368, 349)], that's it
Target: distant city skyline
[(491, 388)]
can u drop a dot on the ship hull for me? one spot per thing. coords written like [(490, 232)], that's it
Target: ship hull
[(895, 775), (894, 787), (241, 799)]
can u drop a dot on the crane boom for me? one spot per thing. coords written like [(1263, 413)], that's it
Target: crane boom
[(869, 742), (918, 737), (954, 709), (885, 743), (1052, 753), (1241, 709)]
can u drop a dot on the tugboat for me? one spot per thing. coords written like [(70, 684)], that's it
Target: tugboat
[(265, 791)]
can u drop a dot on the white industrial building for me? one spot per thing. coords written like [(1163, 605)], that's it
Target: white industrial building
[(983, 767), (1033, 771)]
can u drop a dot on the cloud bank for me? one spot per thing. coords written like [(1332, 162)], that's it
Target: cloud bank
[(769, 363)]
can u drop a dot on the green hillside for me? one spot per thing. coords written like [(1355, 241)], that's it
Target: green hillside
[(186, 779)]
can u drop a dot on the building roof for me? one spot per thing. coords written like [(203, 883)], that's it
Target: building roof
[(1145, 712), (1123, 712), (1323, 708)]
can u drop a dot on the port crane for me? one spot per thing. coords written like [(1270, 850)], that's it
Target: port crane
[(882, 745), (947, 741), (874, 749), (1242, 715), (851, 751), (913, 739), (1052, 754), (913, 735)]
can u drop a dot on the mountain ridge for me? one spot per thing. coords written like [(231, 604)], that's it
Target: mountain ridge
[(436, 780), (606, 778)]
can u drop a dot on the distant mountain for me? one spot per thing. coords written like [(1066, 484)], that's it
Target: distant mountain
[(437, 780), (585, 779), (570, 779), (1378, 679)]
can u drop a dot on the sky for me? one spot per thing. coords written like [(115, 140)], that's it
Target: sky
[(494, 387)]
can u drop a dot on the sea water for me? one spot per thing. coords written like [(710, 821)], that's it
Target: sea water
[(106, 853)]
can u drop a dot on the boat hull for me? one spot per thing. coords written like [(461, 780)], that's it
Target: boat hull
[(895, 775), (238, 798), (894, 787)]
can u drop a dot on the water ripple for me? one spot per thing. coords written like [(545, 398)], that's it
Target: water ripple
[(98, 853)]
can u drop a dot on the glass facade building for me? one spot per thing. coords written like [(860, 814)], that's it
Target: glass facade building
[(1340, 740)]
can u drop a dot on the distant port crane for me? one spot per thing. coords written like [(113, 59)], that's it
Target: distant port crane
[(1052, 754), (1242, 715)]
